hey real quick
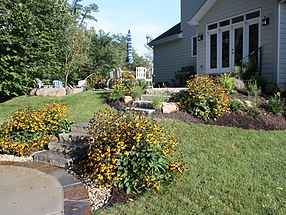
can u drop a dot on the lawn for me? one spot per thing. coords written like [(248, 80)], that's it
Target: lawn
[(80, 106), (229, 171)]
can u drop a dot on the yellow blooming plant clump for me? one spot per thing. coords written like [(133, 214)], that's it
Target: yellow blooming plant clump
[(124, 86), (29, 130), (130, 151), (98, 81), (206, 98)]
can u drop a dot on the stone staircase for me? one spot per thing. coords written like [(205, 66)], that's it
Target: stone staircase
[(73, 145), (69, 147), (145, 104)]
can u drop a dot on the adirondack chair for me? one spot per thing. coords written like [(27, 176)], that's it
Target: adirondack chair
[(38, 83), (142, 73), (57, 83)]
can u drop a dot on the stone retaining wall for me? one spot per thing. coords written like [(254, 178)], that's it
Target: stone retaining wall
[(51, 91)]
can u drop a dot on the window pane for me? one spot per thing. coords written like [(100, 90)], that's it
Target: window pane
[(225, 49), (213, 51), (224, 23), (253, 15), (238, 46), (194, 51), (237, 19), (213, 26)]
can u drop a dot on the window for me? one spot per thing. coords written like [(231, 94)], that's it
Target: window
[(237, 19), (253, 15), (213, 51), (212, 26), (224, 23), (194, 46)]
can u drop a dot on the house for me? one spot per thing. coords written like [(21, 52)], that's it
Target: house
[(214, 36)]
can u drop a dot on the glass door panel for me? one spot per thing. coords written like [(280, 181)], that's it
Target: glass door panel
[(253, 42), (238, 46), (213, 51), (225, 58)]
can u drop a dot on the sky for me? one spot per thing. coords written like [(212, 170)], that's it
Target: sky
[(141, 17)]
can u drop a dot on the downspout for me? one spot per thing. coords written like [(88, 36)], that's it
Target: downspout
[(278, 42)]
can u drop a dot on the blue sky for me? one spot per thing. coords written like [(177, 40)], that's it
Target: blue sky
[(142, 17)]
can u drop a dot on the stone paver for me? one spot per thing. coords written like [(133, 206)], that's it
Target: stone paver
[(37, 188)]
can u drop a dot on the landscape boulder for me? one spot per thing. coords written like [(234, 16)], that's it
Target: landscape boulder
[(127, 99), (169, 107)]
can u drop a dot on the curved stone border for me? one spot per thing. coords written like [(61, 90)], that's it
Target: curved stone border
[(75, 195)]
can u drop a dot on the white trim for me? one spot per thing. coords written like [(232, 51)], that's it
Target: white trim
[(166, 39), (195, 20)]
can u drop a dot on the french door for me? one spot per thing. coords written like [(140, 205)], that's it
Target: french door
[(232, 45)]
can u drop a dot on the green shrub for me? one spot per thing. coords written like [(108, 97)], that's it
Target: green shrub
[(124, 86), (130, 151), (252, 88), (253, 111), (271, 88), (29, 130), (236, 105), (181, 98), (276, 104), (227, 82), (206, 99)]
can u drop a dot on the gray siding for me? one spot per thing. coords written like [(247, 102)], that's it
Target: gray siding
[(170, 57), (282, 66), (223, 9)]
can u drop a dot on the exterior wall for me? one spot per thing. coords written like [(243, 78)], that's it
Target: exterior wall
[(282, 60), (223, 10), (171, 56)]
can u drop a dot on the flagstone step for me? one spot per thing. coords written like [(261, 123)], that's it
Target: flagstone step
[(76, 137), (82, 127), (54, 158), (68, 148), (146, 110), (143, 104)]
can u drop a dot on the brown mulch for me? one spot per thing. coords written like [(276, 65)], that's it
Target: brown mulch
[(264, 121)]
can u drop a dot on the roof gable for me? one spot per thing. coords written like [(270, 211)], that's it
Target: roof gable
[(195, 20), (169, 35)]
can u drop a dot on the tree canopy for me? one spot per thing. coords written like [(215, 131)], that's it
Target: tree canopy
[(49, 39)]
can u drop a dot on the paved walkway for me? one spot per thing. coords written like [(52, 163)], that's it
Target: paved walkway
[(31, 188)]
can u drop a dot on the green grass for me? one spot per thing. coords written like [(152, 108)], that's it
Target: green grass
[(80, 106), (229, 171)]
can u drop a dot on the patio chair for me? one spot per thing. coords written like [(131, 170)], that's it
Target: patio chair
[(141, 73), (38, 83), (57, 83)]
